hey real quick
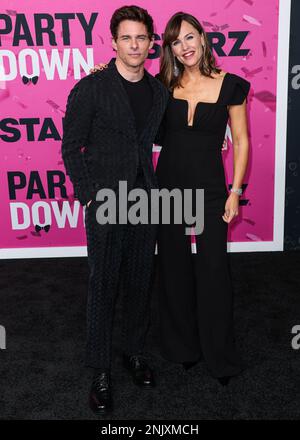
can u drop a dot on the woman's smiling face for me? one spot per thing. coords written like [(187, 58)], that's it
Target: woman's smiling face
[(187, 48)]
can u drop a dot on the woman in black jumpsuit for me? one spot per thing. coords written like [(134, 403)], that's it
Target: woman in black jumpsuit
[(195, 291)]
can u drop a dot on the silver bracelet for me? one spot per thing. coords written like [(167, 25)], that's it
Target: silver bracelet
[(238, 191)]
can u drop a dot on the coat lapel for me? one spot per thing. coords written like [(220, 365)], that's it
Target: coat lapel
[(157, 109)]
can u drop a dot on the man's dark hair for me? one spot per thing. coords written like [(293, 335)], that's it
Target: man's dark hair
[(133, 13)]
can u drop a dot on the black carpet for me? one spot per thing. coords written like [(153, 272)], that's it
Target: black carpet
[(42, 373)]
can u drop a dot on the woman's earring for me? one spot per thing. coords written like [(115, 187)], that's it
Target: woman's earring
[(175, 70)]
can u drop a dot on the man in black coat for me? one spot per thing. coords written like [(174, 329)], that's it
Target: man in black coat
[(111, 120)]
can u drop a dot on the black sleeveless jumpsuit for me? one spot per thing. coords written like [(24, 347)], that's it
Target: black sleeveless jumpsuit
[(195, 290)]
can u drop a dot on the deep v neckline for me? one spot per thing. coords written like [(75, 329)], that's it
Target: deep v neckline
[(199, 102)]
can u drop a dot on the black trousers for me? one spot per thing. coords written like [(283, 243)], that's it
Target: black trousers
[(118, 255), (196, 294)]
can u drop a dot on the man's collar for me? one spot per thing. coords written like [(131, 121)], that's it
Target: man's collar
[(112, 65)]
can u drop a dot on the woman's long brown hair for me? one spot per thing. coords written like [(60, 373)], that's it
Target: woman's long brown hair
[(207, 64)]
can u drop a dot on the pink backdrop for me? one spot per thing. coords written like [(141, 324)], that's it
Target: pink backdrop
[(34, 150)]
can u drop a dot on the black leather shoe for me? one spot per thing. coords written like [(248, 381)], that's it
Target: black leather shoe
[(224, 380), (142, 375), (100, 398)]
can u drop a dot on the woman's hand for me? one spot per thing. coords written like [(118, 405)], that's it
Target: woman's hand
[(97, 67), (231, 207)]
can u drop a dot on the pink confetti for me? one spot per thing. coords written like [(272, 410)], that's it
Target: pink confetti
[(268, 98), (229, 4), (251, 20), (54, 106), (215, 27), (11, 12), (20, 154), (35, 234), (4, 92), (208, 24), (253, 237), (248, 56), (251, 73), (248, 220), (19, 102)]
